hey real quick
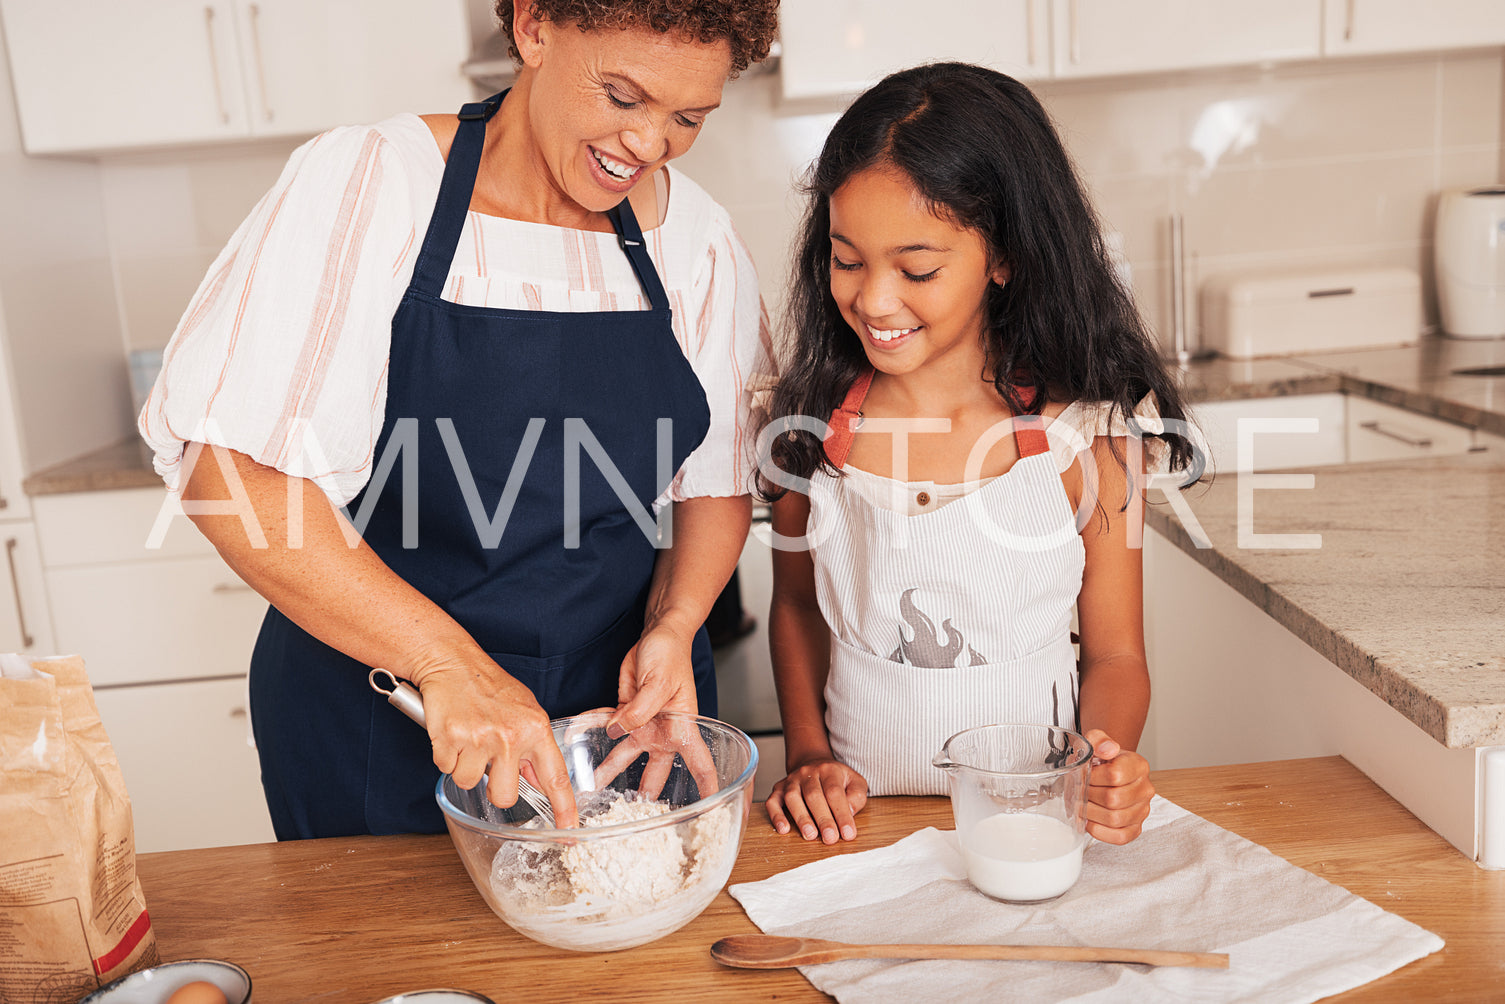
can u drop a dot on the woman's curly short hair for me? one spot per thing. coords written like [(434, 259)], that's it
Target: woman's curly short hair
[(748, 26)]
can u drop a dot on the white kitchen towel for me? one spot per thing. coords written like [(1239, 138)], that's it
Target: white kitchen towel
[(1185, 884)]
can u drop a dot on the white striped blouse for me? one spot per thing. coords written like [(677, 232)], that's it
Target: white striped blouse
[(282, 352)]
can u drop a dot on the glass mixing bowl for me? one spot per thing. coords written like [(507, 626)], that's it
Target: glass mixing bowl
[(664, 811)]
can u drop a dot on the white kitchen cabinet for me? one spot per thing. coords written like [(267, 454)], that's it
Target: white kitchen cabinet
[(25, 626), (838, 47), (166, 634), (1272, 425), (1099, 37), (25, 622), (1383, 432), (139, 614), (1232, 685), (1369, 27), (191, 772), (156, 620), (14, 504), (139, 73)]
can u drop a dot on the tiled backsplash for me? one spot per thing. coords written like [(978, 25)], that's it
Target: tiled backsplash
[(1333, 163)]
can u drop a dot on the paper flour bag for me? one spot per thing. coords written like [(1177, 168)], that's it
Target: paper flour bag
[(72, 916)]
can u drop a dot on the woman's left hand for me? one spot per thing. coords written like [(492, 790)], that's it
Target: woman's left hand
[(1118, 798), (657, 675)]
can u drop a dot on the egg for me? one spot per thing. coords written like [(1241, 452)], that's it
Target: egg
[(197, 992)]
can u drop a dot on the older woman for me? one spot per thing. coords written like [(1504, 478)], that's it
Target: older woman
[(504, 340)]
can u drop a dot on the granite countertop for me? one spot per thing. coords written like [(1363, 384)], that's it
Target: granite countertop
[(126, 464), (1407, 592)]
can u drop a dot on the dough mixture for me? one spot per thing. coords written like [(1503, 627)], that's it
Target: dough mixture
[(558, 889)]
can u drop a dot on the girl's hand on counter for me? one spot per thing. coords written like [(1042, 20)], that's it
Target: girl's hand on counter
[(482, 721), (821, 797), (1119, 792)]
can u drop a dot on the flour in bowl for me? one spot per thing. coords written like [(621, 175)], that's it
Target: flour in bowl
[(620, 890)]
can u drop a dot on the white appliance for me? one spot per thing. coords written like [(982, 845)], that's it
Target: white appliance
[(1278, 313), (1469, 248)]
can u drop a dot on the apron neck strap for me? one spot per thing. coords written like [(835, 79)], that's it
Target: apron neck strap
[(630, 237), (450, 208), (453, 204), (846, 419), (1029, 430)]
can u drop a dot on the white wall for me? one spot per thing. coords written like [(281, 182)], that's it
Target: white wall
[(57, 292)]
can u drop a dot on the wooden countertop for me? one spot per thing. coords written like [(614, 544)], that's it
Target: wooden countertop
[(352, 920)]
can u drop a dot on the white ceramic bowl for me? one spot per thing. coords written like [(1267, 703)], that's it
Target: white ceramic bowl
[(602, 888), (155, 985)]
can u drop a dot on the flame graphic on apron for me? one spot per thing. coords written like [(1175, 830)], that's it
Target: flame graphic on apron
[(925, 649)]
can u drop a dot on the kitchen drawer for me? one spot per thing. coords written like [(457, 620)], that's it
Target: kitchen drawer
[(1322, 446), (91, 528), (136, 622), (1383, 432), (189, 767)]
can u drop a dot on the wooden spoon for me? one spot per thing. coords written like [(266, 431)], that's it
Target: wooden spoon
[(772, 951)]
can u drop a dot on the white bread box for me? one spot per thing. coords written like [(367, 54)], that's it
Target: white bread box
[(1280, 313)]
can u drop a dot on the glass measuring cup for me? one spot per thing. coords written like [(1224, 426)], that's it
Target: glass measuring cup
[(1019, 798)]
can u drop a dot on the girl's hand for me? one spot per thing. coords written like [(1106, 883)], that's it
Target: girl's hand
[(658, 674), (1119, 792), (821, 797)]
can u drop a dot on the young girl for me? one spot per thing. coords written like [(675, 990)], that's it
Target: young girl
[(992, 395)]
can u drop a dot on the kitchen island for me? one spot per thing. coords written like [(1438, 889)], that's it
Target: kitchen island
[(352, 920), (1399, 585)]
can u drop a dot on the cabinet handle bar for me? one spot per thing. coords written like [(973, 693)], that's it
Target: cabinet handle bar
[(1029, 30), (1076, 37), (261, 73), (1422, 443), (1348, 15), (219, 89), (27, 641)]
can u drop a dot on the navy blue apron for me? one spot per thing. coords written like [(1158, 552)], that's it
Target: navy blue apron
[(490, 404)]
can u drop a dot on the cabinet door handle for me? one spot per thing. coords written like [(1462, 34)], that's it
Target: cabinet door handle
[(27, 641), (1029, 31), (261, 73), (219, 88), (1421, 443), (231, 587), (1348, 13), (1076, 37)]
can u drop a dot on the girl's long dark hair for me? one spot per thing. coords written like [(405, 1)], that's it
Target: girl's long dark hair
[(981, 150)]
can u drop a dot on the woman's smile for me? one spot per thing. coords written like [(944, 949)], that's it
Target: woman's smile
[(614, 173)]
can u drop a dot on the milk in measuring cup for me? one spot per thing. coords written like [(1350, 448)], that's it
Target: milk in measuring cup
[(1022, 856)]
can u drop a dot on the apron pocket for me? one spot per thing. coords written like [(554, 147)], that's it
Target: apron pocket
[(888, 719)]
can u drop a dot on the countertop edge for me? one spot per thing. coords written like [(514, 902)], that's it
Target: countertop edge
[(1422, 709)]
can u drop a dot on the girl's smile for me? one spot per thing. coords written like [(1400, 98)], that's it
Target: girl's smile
[(913, 284)]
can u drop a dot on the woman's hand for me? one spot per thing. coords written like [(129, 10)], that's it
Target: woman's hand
[(483, 721), (657, 675), (1119, 792), (821, 797)]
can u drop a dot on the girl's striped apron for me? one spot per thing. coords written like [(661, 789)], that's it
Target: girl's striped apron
[(941, 621)]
